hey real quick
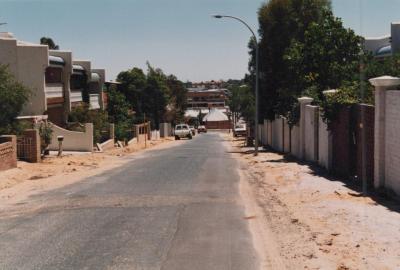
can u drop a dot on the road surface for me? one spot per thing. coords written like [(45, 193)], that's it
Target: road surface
[(175, 208)]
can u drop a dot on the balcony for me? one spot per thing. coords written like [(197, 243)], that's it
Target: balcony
[(94, 101), (54, 90), (76, 96)]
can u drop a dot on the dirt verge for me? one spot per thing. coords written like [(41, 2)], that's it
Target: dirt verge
[(311, 222)]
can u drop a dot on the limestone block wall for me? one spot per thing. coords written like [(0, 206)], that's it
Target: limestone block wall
[(8, 152)]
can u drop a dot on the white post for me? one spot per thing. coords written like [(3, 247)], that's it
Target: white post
[(303, 102), (381, 84)]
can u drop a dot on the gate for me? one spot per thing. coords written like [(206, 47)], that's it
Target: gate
[(24, 148)]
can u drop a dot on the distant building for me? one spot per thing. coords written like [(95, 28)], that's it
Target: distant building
[(208, 84), (202, 101), (207, 98), (386, 45), (216, 119)]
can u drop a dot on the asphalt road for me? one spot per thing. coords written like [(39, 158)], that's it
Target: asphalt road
[(175, 208)]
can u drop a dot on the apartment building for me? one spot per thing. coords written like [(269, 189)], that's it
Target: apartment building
[(58, 83), (386, 45), (207, 98)]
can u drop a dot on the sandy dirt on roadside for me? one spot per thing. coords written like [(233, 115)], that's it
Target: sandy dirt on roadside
[(311, 222), (54, 172)]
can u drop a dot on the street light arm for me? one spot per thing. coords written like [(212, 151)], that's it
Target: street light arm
[(240, 20)]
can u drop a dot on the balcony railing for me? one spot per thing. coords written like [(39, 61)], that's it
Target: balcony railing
[(94, 101), (54, 90), (76, 96)]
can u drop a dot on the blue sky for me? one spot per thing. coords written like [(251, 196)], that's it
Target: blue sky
[(176, 35)]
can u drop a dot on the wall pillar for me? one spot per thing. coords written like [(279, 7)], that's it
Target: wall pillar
[(304, 101), (381, 84)]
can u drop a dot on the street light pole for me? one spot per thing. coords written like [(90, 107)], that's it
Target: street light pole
[(257, 77)]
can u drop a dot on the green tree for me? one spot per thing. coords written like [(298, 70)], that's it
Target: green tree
[(157, 95), (178, 100), (134, 82), (328, 57), (281, 22), (49, 42), (118, 110), (99, 118), (13, 96), (160, 97), (242, 103)]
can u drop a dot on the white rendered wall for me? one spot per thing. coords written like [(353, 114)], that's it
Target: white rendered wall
[(269, 133), (265, 132), (73, 141), (277, 134), (28, 64), (324, 145), (311, 133), (295, 141), (392, 139), (286, 136)]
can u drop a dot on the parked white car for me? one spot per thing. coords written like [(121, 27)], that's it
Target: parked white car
[(182, 131), (240, 130)]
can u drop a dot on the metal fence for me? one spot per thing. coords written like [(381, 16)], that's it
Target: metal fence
[(24, 148)]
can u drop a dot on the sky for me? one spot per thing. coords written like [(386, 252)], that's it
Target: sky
[(178, 36)]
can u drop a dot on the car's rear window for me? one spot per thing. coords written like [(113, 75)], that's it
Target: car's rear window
[(178, 127)]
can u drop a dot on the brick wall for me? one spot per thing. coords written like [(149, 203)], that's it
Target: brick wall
[(342, 146), (392, 138), (8, 152), (368, 126)]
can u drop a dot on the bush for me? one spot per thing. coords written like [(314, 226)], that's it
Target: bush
[(332, 103), (13, 96), (46, 133), (82, 114)]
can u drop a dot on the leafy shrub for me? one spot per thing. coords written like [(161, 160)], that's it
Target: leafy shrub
[(45, 132), (82, 114), (13, 96)]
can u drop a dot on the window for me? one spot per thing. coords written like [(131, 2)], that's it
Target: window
[(77, 82), (53, 75)]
